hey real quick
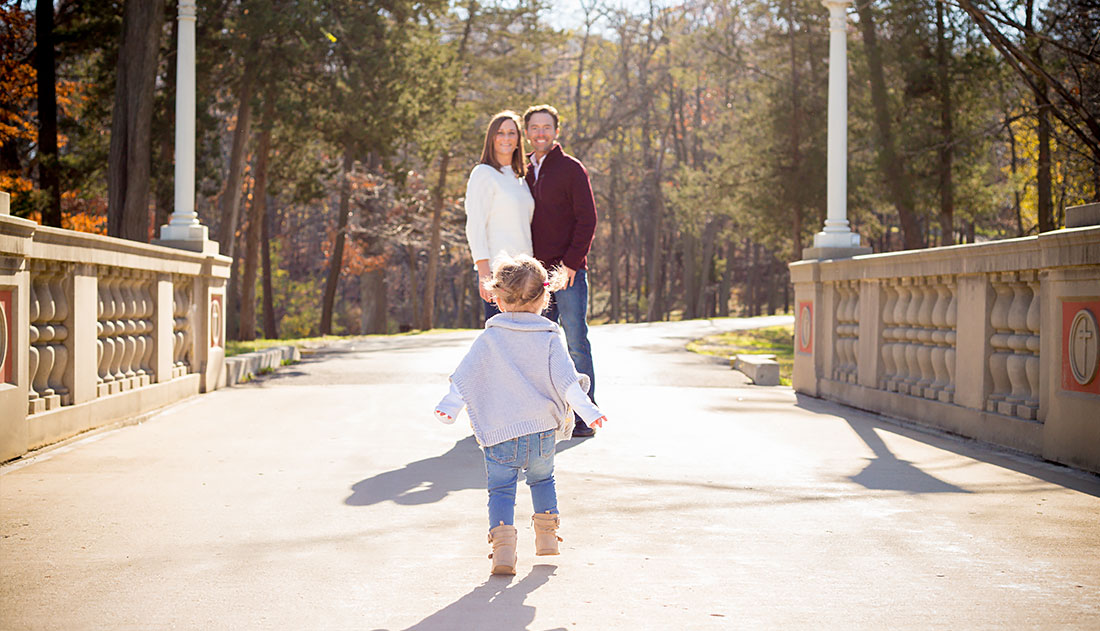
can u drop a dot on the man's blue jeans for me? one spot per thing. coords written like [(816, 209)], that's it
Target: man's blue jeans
[(533, 454), (569, 308)]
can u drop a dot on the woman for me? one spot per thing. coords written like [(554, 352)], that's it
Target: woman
[(499, 205)]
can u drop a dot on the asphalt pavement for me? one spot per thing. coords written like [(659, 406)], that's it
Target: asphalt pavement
[(325, 496)]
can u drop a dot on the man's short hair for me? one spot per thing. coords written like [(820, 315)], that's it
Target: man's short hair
[(544, 108)]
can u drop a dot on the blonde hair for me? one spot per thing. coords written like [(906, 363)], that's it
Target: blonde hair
[(488, 156), (523, 281)]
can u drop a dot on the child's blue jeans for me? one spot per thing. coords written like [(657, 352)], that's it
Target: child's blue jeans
[(534, 455)]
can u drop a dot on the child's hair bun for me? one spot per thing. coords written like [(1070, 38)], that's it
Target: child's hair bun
[(521, 280)]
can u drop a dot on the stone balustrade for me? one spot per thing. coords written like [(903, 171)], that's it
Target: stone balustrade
[(94, 330), (995, 341)]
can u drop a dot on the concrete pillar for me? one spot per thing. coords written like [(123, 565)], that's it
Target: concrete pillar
[(826, 333), (83, 333), (870, 333), (15, 244), (972, 349), (163, 328), (183, 229), (208, 322), (806, 277)]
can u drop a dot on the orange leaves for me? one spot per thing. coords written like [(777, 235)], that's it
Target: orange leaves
[(17, 75)]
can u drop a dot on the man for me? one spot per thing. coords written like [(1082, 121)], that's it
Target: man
[(561, 232)]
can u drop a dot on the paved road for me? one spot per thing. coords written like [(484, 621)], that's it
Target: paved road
[(326, 497)]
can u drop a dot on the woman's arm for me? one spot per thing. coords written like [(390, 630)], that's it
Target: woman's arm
[(479, 199), (483, 274)]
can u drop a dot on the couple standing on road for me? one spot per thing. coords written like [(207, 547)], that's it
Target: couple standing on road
[(542, 208)]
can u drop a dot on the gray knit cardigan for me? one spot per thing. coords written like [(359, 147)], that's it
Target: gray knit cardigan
[(514, 379)]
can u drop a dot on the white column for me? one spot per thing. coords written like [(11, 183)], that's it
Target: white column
[(836, 233), (183, 228)]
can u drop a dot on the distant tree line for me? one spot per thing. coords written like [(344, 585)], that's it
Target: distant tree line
[(335, 138)]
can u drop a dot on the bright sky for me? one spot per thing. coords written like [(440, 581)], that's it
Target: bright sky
[(568, 13)]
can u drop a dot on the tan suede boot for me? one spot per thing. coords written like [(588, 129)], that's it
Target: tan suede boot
[(546, 533), (503, 557)]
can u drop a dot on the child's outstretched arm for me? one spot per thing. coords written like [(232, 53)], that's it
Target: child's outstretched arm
[(446, 411), (581, 404)]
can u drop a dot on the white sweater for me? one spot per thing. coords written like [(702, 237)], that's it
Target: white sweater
[(499, 208)]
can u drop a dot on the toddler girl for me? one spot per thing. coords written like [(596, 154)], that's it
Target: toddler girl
[(518, 385)]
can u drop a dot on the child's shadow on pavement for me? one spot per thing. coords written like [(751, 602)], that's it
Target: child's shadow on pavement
[(495, 604), (432, 479)]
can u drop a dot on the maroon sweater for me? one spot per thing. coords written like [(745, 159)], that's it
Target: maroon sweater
[(565, 211)]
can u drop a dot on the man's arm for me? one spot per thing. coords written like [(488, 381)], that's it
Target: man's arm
[(584, 220)]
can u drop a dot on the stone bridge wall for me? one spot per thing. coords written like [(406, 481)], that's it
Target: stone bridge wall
[(94, 330), (995, 341)]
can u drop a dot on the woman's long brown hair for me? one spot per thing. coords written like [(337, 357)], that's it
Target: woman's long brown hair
[(488, 156)]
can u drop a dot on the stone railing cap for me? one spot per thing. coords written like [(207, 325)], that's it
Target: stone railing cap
[(1081, 216)]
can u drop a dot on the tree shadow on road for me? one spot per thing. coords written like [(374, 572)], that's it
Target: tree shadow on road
[(430, 480), (496, 604)]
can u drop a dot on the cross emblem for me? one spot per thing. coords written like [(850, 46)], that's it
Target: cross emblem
[(1083, 353)]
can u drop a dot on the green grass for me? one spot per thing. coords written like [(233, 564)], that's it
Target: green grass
[(236, 347), (239, 348), (772, 340)]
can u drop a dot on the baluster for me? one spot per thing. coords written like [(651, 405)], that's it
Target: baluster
[(900, 331), (119, 332), (889, 367), (1031, 365), (129, 305), (184, 322), (48, 332), (939, 338), (912, 338), (105, 329), (924, 336), (998, 342), (951, 316), (838, 343), (61, 335), (146, 369), (853, 328), (1016, 363)]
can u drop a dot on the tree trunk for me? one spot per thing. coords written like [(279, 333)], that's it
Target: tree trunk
[(414, 284), (795, 139), (49, 179), (723, 298), (947, 151), (1015, 188), (164, 195), (893, 170), (372, 298), (691, 291), (337, 261), (271, 327), (613, 247), (255, 224), (428, 316), (710, 240), (1043, 176), (231, 195), (128, 164)]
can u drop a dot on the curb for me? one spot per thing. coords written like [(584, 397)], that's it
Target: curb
[(241, 368)]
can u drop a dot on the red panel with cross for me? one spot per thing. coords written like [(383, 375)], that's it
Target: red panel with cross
[(1080, 346), (805, 333)]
